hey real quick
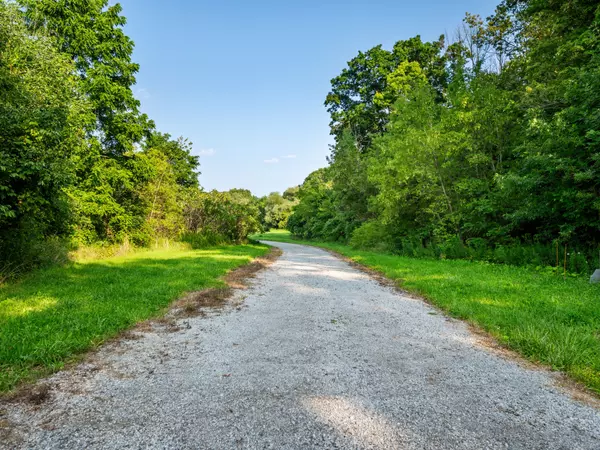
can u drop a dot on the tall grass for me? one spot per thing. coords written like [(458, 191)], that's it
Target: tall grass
[(560, 256)]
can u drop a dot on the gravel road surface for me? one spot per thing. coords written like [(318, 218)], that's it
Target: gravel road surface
[(318, 355)]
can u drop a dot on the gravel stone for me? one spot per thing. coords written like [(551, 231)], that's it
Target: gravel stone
[(320, 356)]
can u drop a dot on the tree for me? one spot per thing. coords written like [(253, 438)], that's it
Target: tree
[(161, 196), (291, 193), (487, 147), (414, 168), (42, 117), (315, 208), (105, 198), (277, 209), (178, 154), (91, 33), (352, 100), (351, 188), (219, 217), (558, 170)]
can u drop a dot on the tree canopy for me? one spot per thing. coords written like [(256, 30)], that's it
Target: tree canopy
[(482, 143)]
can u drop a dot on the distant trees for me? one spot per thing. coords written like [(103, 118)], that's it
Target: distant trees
[(276, 208), (220, 217), (314, 216), (484, 145)]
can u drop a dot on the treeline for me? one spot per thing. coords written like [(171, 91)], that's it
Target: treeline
[(80, 164), (485, 144)]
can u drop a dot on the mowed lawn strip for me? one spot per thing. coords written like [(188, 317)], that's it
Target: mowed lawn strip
[(51, 316), (545, 318)]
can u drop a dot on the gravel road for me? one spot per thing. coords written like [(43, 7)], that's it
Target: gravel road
[(318, 355)]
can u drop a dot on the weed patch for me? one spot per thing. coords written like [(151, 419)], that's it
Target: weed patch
[(194, 303)]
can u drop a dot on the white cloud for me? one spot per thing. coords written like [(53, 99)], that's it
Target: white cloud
[(207, 152), (272, 161), (289, 157), (142, 93)]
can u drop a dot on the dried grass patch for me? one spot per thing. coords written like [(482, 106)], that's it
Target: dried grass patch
[(34, 394), (194, 303)]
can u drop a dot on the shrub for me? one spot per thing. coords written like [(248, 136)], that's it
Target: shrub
[(371, 235), (213, 218), (454, 248)]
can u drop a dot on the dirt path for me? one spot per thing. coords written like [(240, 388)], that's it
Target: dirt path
[(318, 356)]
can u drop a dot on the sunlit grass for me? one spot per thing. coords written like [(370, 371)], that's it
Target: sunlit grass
[(544, 317), (51, 316)]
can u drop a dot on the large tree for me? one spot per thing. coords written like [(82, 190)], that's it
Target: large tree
[(91, 33), (42, 119), (352, 101), (179, 155), (105, 198)]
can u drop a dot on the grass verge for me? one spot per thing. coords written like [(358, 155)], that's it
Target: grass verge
[(547, 319), (50, 317)]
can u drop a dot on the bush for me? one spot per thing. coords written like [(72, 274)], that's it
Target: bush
[(213, 218), (478, 249), (25, 254), (415, 248), (373, 236), (454, 248)]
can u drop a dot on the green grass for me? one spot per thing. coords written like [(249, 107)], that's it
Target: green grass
[(547, 319), (50, 317)]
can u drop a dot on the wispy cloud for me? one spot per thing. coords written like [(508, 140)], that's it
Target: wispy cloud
[(207, 152), (289, 157), (272, 161), (142, 93)]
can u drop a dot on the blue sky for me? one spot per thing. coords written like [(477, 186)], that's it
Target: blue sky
[(245, 81)]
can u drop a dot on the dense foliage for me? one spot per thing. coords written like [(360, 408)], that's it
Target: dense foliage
[(42, 116), (485, 145), (79, 163), (220, 217), (276, 208)]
